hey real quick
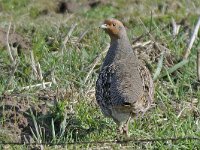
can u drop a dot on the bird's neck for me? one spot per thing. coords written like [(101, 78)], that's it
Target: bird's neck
[(122, 42), (119, 49)]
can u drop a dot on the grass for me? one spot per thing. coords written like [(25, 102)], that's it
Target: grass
[(72, 115)]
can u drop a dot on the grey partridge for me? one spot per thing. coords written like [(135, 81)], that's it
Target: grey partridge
[(124, 87)]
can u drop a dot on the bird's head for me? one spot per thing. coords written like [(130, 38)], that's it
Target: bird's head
[(114, 28)]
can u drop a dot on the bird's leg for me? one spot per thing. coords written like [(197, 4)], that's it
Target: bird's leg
[(120, 128), (125, 128)]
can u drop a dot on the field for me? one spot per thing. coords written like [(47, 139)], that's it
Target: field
[(50, 55)]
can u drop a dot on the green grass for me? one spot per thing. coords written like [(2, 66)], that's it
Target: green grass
[(73, 116)]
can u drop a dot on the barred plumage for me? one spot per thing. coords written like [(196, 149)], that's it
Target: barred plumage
[(124, 87)]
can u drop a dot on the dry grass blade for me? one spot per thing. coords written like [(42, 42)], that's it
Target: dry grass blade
[(192, 39), (8, 46), (53, 79), (82, 35), (97, 59), (33, 65), (39, 70), (180, 113), (141, 44), (175, 27), (68, 36), (69, 33), (31, 86)]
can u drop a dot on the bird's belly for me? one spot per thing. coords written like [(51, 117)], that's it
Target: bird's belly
[(120, 116)]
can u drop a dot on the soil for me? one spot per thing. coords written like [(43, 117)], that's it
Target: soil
[(16, 113), (14, 39), (73, 7)]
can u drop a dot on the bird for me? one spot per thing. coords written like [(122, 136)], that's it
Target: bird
[(124, 87)]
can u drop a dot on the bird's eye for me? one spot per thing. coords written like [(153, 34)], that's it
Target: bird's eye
[(114, 24)]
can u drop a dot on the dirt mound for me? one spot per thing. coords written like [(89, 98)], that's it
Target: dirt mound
[(16, 111), (14, 39), (72, 6), (27, 117)]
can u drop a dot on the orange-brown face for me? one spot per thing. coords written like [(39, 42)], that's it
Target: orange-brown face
[(113, 27)]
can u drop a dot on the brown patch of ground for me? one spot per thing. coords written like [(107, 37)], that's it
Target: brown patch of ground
[(14, 39), (73, 6), (17, 113), (16, 116)]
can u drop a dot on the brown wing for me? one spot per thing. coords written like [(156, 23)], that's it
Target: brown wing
[(147, 83), (103, 92)]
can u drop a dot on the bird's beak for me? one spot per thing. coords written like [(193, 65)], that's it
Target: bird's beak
[(103, 26)]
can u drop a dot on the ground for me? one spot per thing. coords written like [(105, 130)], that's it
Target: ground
[(47, 83)]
